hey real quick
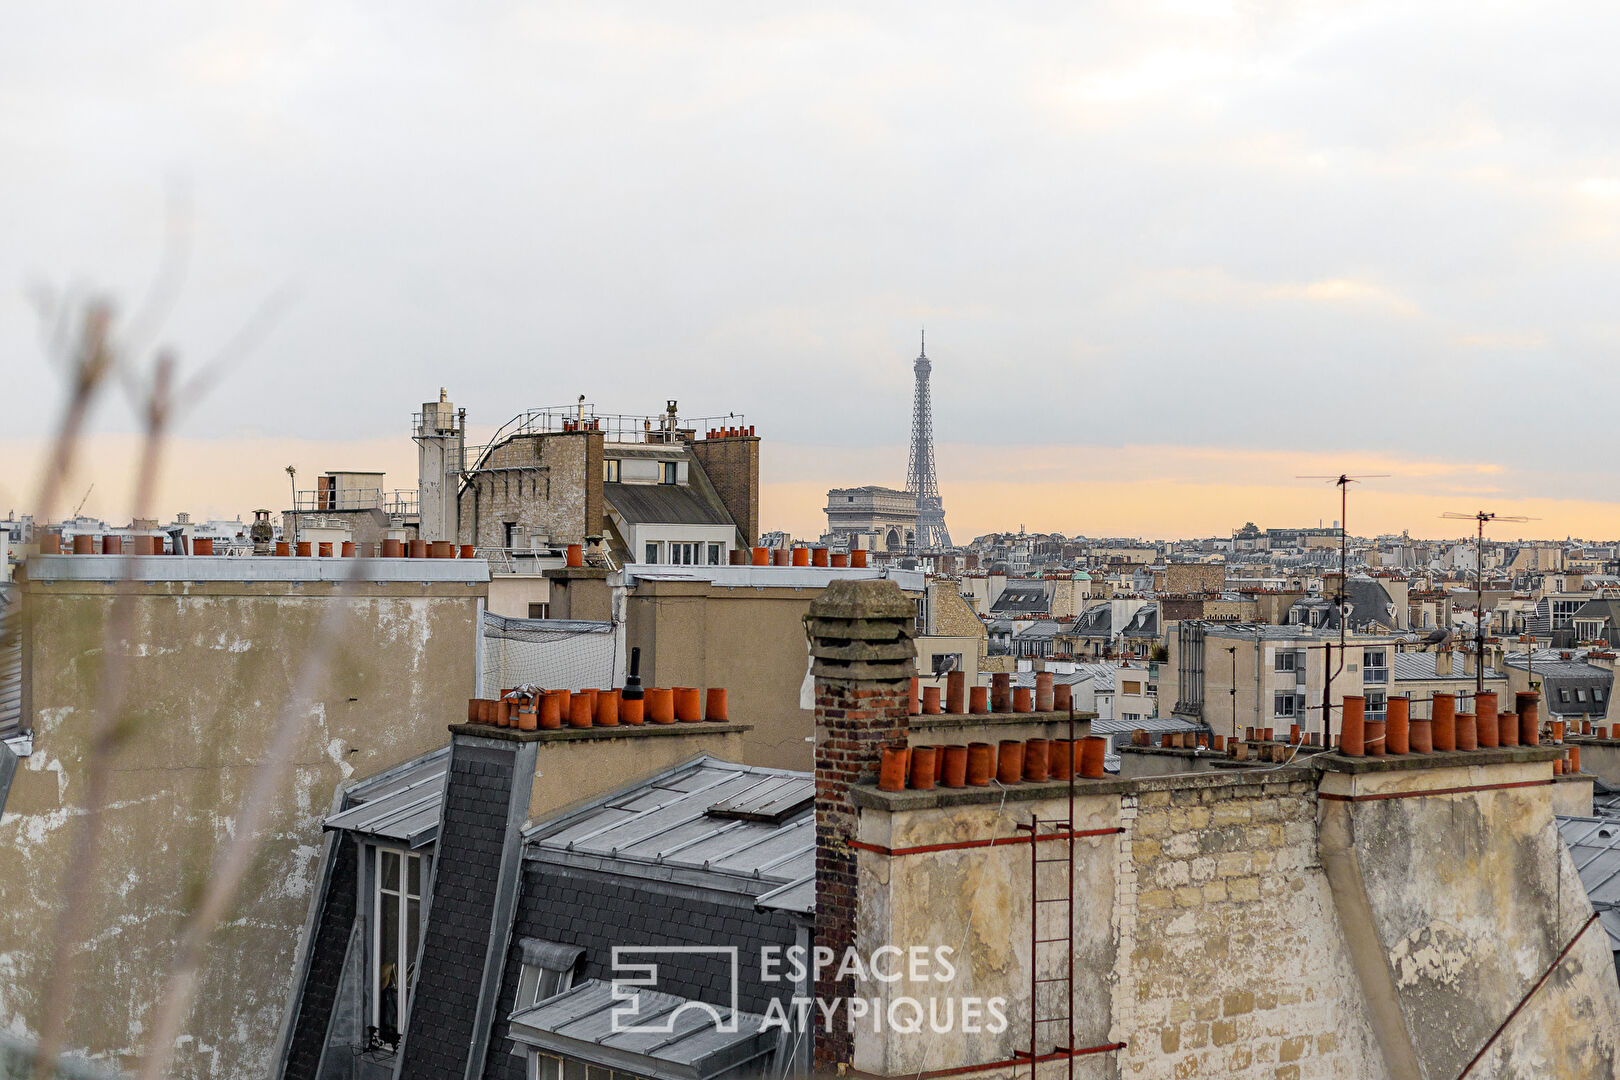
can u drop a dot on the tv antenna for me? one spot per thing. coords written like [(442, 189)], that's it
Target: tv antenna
[(1482, 518), (1341, 600)]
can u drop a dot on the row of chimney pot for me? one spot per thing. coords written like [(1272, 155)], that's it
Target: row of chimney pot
[(999, 697), (536, 709), (86, 544), (50, 543), (1447, 729), (1035, 761), (797, 556), (730, 432)]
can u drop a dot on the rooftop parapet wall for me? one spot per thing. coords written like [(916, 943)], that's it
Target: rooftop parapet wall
[(1471, 930), (1218, 933), (1204, 941)]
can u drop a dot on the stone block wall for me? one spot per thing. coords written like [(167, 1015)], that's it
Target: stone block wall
[(548, 485), (1231, 963)]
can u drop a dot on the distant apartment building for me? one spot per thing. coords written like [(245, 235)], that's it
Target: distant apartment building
[(1237, 676), (660, 490), (1184, 579)]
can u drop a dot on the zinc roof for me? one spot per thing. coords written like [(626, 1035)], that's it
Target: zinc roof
[(662, 828), (402, 804)]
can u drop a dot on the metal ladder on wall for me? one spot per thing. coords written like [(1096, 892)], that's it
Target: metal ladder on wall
[(1053, 1027)]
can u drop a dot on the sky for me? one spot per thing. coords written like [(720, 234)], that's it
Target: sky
[(1169, 255)]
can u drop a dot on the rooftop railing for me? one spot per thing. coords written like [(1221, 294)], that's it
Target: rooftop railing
[(401, 501), (618, 428)]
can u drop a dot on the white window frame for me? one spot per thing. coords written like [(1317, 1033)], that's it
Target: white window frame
[(403, 896), (1277, 700), (1286, 660), (653, 550)]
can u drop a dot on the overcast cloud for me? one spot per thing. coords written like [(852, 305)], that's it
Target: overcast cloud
[(1389, 228)]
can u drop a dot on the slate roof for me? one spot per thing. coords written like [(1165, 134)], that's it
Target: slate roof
[(1145, 623), (1600, 609), (664, 504), (1022, 598), (1594, 844), (10, 661), (1586, 686), (1095, 621)]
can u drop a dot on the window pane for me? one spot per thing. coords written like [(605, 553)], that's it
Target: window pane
[(596, 1072), (390, 869), (388, 963), (413, 878), (550, 1068), (413, 932), (573, 1070), (652, 553)]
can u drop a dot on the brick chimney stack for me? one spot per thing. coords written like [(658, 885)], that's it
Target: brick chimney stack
[(864, 660)]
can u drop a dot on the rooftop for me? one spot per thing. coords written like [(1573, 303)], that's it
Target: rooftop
[(707, 822), (401, 804)]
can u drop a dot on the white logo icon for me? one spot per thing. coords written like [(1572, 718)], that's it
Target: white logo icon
[(629, 975)]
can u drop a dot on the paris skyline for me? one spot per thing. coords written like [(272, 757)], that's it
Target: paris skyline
[(1170, 255)]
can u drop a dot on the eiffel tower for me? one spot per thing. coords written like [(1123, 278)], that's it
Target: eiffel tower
[(920, 479)]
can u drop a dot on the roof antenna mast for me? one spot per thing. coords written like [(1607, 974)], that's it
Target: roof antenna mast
[(1482, 517), (1343, 482)]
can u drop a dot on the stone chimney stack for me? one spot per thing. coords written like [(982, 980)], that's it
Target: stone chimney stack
[(864, 660), (1442, 662)]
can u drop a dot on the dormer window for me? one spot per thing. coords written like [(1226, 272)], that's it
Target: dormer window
[(548, 970)]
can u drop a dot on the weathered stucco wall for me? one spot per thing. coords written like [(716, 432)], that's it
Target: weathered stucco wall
[(209, 669), (749, 640), (1458, 904), (1220, 931)]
